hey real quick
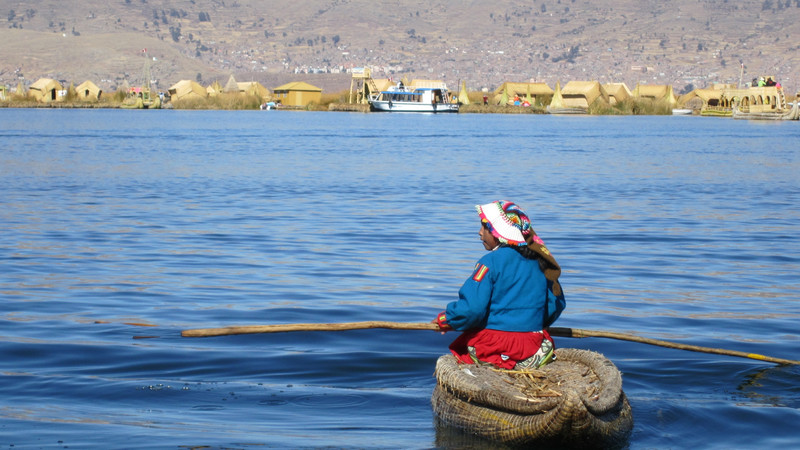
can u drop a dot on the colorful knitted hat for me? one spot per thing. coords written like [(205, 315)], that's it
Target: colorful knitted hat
[(506, 221)]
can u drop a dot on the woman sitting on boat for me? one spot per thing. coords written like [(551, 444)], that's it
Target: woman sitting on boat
[(510, 299)]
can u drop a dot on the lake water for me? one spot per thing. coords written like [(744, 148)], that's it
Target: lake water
[(119, 229)]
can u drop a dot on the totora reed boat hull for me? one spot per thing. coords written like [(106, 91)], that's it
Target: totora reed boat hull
[(575, 401), (790, 114)]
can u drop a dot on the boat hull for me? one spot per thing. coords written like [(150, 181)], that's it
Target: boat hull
[(393, 106), (791, 114), (716, 112), (575, 401)]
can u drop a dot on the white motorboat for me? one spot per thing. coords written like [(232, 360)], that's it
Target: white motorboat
[(423, 99)]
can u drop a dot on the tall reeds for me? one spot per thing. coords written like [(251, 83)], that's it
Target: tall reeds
[(226, 101), (326, 100), (501, 109), (632, 107)]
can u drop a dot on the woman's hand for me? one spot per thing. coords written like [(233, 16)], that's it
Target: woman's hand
[(441, 320)]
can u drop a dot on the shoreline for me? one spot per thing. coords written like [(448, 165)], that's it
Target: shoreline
[(472, 108)]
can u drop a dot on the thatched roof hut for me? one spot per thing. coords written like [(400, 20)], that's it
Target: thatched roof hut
[(582, 94), (528, 91), (231, 85), (88, 91), (383, 83), (699, 98), (617, 92), (297, 93), (45, 90), (656, 92), (187, 90), (254, 88)]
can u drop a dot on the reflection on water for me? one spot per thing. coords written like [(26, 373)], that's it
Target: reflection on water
[(773, 386)]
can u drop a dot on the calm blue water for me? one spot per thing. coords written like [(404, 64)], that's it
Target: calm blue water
[(119, 229)]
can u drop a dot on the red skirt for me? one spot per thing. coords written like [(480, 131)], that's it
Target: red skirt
[(502, 349)]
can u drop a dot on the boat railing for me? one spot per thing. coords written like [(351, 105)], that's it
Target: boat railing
[(717, 109)]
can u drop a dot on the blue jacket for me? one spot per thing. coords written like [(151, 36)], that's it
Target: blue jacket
[(506, 292)]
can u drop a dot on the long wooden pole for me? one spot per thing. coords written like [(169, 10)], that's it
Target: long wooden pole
[(282, 328), (555, 331), (577, 333)]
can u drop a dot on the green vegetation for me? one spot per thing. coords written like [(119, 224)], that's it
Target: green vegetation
[(327, 100), (221, 101), (70, 101), (20, 101), (632, 107), (501, 109)]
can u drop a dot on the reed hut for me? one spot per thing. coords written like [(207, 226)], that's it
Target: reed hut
[(383, 84), (45, 90), (88, 91), (187, 90), (702, 98), (583, 94), (617, 92), (532, 92), (254, 88), (297, 93), (231, 86), (656, 92)]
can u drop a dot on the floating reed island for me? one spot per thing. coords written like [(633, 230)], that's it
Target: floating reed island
[(755, 101)]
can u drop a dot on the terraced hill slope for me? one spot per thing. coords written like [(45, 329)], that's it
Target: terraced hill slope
[(683, 42)]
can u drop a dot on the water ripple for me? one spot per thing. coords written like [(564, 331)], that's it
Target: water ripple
[(673, 228)]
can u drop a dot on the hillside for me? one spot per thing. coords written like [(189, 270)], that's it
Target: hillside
[(683, 43)]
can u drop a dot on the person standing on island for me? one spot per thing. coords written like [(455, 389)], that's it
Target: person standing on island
[(510, 299)]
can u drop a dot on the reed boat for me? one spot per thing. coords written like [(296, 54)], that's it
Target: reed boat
[(142, 97), (766, 102), (716, 111), (575, 401), (759, 112)]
